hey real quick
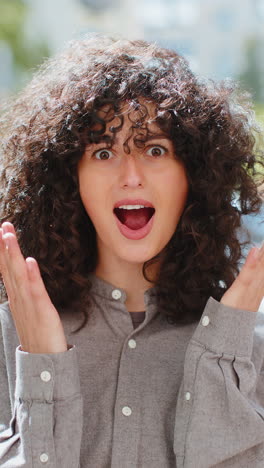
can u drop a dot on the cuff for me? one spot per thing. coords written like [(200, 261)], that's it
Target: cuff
[(226, 330), (47, 377)]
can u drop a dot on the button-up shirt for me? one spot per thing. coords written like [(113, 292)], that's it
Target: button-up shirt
[(156, 396)]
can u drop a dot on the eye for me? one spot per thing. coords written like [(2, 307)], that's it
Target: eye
[(156, 151), (103, 154)]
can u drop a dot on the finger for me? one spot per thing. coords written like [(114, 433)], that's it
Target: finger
[(8, 227), (15, 263), (2, 247), (3, 264), (37, 286), (252, 272), (261, 251), (252, 258), (259, 257)]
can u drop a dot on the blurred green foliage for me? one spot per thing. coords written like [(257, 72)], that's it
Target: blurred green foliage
[(251, 77), (26, 55), (259, 108)]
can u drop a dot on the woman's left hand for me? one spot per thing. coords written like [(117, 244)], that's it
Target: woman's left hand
[(247, 290)]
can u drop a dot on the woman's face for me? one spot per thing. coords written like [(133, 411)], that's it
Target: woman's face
[(116, 183)]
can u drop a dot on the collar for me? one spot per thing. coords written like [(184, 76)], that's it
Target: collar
[(107, 291)]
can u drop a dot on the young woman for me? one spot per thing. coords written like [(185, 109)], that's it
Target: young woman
[(130, 338)]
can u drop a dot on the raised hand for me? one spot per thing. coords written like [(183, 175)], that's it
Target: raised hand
[(38, 324), (247, 290)]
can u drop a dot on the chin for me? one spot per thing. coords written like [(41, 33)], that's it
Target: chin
[(137, 256)]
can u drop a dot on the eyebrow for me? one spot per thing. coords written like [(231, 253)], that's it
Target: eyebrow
[(110, 140), (158, 137)]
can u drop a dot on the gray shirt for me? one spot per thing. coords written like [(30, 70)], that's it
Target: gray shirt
[(158, 396)]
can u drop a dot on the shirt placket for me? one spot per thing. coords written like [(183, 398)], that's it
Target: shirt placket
[(126, 427), (127, 408)]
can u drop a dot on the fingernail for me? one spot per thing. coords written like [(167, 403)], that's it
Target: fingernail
[(30, 264)]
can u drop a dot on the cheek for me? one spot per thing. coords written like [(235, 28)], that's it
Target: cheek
[(176, 191), (93, 195), (86, 190), (89, 202)]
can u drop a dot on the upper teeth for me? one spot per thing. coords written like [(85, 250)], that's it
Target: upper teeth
[(131, 207)]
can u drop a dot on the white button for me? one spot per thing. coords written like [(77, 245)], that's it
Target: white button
[(116, 294), (205, 320), (187, 396), (126, 411), (44, 458), (45, 376), (132, 344)]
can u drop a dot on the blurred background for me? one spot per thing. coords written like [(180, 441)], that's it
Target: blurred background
[(220, 38)]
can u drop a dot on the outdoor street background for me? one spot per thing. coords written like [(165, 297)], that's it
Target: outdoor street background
[(222, 39)]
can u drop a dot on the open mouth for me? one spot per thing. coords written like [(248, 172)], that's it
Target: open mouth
[(134, 218)]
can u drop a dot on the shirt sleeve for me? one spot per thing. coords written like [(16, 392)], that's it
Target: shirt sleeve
[(220, 408), (46, 425)]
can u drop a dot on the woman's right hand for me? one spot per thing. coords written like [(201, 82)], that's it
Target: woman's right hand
[(38, 324)]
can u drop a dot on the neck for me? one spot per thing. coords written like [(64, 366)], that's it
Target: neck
[(130, 278)]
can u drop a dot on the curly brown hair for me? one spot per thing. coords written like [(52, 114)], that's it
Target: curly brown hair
[(44, 134)]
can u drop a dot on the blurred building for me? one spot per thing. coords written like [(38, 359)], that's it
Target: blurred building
[(214, 35)]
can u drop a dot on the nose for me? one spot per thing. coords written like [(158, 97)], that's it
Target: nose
[(131, 174)]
